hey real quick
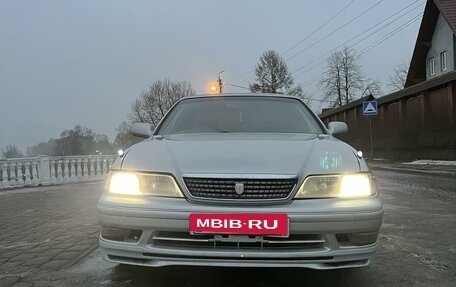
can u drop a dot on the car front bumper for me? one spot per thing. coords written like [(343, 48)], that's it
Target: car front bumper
[(324, 233)]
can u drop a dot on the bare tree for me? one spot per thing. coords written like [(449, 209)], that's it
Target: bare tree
[(353, 79), (396, 81), (298, 92), (332, 80), (153, 104), (343, 78), (272, 76), (372, 87), (11, 151)]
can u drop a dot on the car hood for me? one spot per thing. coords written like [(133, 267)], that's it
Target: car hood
[(280, 154)]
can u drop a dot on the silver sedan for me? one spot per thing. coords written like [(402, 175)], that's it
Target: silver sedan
[(240, 180)]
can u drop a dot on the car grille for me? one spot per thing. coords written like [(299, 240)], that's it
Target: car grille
[(253, 189), (186, 240)]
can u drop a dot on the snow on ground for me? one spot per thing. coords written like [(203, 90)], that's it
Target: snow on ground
[(431, 162), (27, 189)]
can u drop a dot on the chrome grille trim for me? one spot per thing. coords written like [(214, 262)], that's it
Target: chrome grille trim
[(256, 187)]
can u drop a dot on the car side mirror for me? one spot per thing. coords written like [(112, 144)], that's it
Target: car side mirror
[(336, 128), (143, 130)]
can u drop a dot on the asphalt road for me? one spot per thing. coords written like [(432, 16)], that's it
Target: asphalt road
[(417, 247)]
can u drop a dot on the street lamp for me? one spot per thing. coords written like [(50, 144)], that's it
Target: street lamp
[(217, 87), (213, 88)]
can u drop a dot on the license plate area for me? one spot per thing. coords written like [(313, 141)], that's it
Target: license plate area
[(251, 224)]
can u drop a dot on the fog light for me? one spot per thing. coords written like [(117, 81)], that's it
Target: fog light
[(120, 234), (357, 239), (366, 238)]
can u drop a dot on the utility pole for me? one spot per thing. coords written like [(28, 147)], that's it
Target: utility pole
[(370, 136), (219, 81), (370, 108)]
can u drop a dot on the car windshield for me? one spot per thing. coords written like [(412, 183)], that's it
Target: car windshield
[(240, 114)]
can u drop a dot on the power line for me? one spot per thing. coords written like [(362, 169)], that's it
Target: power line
[(316, 100), (386, 66), (391, 34), (363, 39), (363, 51), (366, 50), (318, 29), (375, 44), (371, 72), (242, 87), (237, 86), (305, 84), (335, 31), (322, 61), (368, 36)]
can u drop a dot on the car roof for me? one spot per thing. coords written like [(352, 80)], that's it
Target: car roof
[(243, 94)]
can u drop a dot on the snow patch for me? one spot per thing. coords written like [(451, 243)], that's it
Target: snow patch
[(431, 162)]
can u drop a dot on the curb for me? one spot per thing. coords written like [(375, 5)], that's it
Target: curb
[(415, 171)]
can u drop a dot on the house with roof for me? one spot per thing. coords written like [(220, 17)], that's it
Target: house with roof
[(434, 53), (419, 121)]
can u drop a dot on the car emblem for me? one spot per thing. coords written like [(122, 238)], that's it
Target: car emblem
[(239, 188)]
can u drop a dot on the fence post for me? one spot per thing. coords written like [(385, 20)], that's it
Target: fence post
[(43, 170), (4, 173)]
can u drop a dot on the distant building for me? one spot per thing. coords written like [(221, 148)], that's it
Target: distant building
[(434, 53)]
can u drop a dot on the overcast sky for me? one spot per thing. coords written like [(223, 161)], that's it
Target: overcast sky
[(64, 63)]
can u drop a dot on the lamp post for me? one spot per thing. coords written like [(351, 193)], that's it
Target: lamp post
[(219, 81), (217, 87)]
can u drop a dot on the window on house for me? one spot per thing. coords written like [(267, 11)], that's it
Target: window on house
[(431, 66), (443, 61)]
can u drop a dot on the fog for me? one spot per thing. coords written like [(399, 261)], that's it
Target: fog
[(64, 63)]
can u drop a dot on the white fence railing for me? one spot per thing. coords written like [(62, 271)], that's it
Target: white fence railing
[(47, 170)]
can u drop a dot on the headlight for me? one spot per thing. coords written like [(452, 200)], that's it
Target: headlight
[(124, 183), (343, 185), (143, 183)]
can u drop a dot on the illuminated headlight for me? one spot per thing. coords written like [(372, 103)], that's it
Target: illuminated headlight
[(142, 183), (343, 185)]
